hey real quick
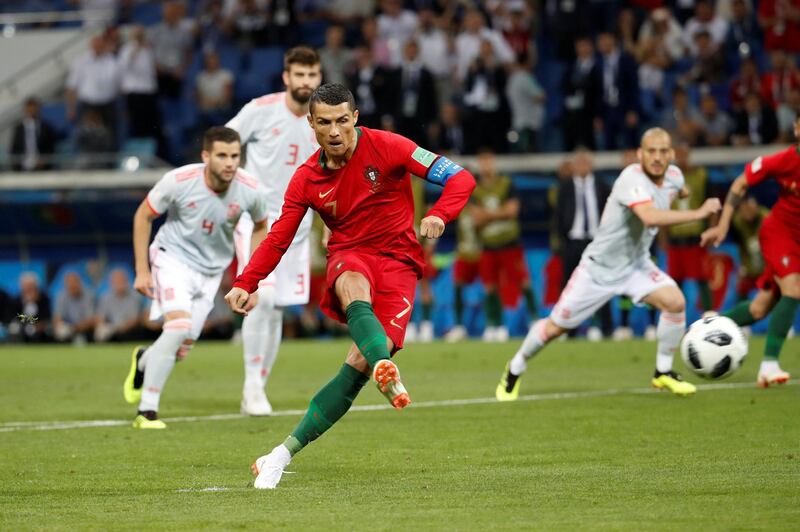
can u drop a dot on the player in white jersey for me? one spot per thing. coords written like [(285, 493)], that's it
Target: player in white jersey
[(203, 203), (275, 130), (617, 262)]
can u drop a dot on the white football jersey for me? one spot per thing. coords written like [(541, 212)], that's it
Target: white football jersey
[(622, 241), (200, 222), (278, 142)]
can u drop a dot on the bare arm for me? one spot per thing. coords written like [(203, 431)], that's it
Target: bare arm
[(142, 228), (715, 235), (259, 234), (652, 216)]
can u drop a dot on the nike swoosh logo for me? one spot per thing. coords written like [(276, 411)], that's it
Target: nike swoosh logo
[(401, 314), (321, 195)]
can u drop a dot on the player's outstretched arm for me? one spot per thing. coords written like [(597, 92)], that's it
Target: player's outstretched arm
[(716, 235), (652, 216), (142, 228), (268, 254)]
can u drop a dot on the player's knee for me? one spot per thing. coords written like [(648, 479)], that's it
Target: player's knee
[(759, 309), (186, 346), (790, 286), (352, 286), (675, 304), (552, 331)]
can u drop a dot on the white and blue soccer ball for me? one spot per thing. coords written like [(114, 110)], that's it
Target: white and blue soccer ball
[(714, 347)]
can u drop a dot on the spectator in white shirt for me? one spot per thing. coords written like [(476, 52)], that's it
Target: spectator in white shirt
[(138, 66), (172, 41), (468, 43), (437, 51), (704, 19), (526, 99), (94, 83), (337, 59), (214, 90), (396, 26)]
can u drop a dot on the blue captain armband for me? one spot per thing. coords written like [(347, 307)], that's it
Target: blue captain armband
[(440, 168)]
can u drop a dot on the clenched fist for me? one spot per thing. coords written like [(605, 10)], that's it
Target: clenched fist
[(431, 227), (240, 301)]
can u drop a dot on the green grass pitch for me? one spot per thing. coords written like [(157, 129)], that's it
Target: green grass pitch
[(610, 456)]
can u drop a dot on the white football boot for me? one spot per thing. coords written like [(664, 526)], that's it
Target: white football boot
[(456, 334), (255, 403), (770, 374), (426, 332), (269, 468)]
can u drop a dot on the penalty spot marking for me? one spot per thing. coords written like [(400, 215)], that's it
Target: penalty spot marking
[(555, 396)]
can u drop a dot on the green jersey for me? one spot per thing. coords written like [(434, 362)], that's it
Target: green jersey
[(498, 233), (746, 236), (468, 247), (696, 183)]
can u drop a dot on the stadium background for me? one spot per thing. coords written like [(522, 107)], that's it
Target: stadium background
[(74, 214)]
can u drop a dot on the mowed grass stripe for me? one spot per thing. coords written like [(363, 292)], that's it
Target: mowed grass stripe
[(94, 423)]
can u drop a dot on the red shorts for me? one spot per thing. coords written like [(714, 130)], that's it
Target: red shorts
[(506, 269), (465, 271), (781, 252), (687, 262), (393, 284)]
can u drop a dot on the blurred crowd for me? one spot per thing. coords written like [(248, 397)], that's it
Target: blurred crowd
[(90, 305), (454, 75)]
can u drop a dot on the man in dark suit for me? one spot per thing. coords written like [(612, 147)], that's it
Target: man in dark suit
[(578, 208), (375, 89), (619, 94), (417, 105), (34, 140), (581, 86)]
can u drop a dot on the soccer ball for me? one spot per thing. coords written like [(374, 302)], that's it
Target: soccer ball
[(714, 347)]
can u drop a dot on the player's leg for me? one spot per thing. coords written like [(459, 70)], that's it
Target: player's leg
[(327, 406), (655, 288), (493, 308), (747, 312), (262, 329), (464, 273), (580, 299), (780, 321), (161, 358)]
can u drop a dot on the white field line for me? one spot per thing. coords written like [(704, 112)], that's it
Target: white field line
[(555, 396)]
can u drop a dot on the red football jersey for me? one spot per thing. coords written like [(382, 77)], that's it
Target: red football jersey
[(784, 167), (367, 204)]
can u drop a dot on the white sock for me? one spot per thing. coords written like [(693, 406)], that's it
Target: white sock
[(769, 366), (161, 360), (275, 327), (670, 329), (534, 341), (260, 347), (282, 454)]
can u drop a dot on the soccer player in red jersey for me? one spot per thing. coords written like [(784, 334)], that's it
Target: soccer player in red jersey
[(779, 236), (359, 183)]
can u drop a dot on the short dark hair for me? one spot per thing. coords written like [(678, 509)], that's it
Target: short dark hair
[(219, 134), (331, 94), (300, 55)]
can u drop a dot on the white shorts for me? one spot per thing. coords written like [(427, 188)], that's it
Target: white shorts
[(178, 287), (583, 296), (290, 283)]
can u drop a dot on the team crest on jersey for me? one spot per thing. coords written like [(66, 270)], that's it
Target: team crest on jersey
[(374, 177), (234, 211)]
